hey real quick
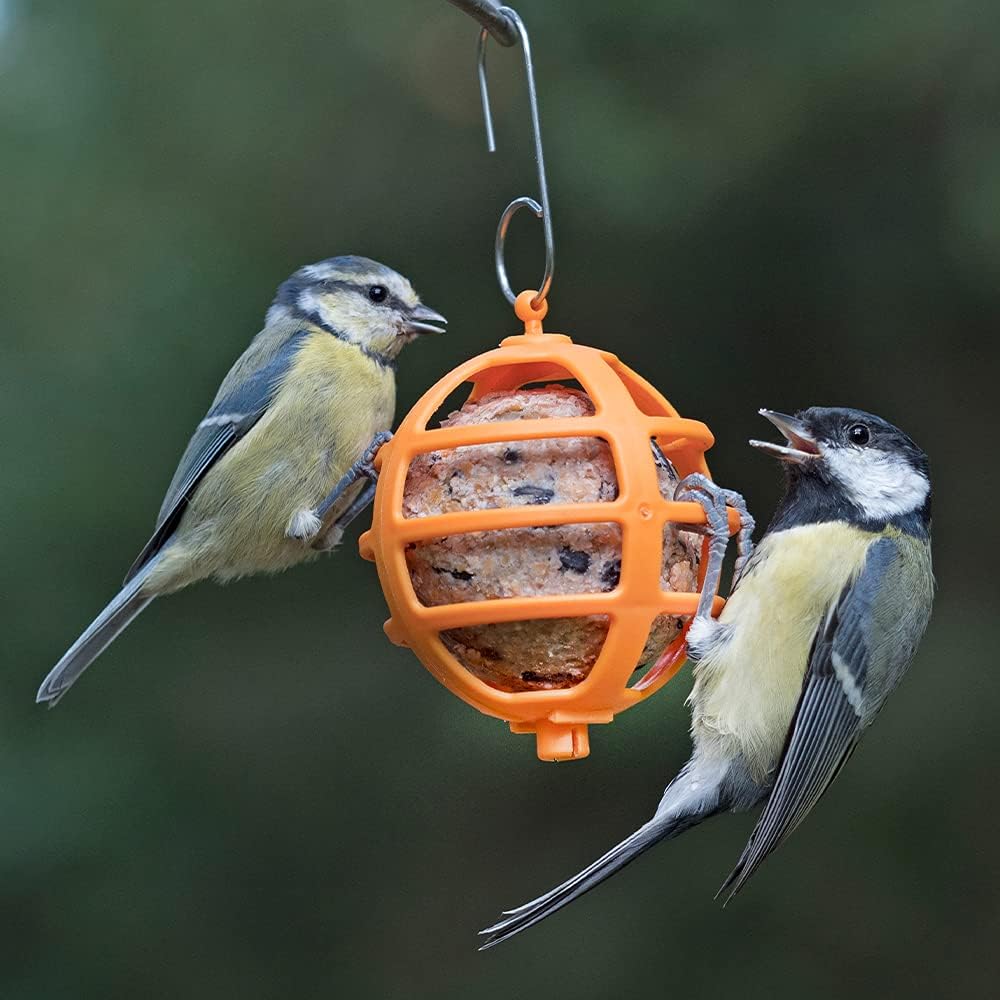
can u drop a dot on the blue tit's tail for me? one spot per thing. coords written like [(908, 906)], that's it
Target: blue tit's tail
[(101, 632), (700, 790)]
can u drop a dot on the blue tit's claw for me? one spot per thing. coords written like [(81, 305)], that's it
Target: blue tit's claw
[(366, 464)]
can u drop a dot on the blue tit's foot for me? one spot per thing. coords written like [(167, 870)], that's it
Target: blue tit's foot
[(304, 525), (367, 460), (333, 535), (363, 468), (329, 539)]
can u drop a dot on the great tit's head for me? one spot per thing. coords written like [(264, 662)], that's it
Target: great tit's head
[(360, 301), (858, 457)]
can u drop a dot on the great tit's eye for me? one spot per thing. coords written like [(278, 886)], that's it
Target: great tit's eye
[(377, 293), (858, 434)]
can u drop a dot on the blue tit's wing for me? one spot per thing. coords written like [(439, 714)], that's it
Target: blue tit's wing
[(235, 411), (831, 713)]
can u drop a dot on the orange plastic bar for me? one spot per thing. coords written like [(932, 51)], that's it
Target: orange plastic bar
[(465, 435), (499, 518), (515, 609)]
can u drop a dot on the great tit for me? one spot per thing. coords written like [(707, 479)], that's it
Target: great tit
[(278, 467), (820, 626)]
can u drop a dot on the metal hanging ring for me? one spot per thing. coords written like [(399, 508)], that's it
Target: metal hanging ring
[(498, 247), (542, 210)]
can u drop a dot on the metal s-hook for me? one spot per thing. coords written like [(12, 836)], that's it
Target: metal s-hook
[(489, 14), (541, 210)]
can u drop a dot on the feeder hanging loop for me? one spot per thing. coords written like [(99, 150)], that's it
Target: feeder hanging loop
[(540, 209)]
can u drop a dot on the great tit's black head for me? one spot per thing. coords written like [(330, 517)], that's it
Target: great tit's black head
[(854, 461), (360, 301)]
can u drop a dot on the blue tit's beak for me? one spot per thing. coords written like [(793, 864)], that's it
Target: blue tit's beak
[(801, 447), (425, 320)]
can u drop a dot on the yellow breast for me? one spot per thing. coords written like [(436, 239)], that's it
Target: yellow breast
[(747, 686), (338, 398)]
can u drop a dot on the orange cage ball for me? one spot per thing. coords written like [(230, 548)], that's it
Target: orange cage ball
[(547, 653), (529, 607)]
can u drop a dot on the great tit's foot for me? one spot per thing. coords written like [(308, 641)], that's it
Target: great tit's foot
[(744, 538), (699, 489), (363, 468), (715, 500), (304, 525)]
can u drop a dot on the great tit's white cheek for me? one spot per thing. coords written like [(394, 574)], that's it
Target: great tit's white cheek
[(882, 484)]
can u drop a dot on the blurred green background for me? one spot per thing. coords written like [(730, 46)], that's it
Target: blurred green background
[(253, 794)]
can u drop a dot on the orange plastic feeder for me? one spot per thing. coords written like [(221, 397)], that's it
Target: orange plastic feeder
[(629, 412)]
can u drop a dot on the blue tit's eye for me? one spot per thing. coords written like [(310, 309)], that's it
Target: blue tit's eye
[(377, 293), (858, 434)]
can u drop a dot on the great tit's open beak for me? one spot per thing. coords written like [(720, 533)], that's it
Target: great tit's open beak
[(801, 445), (424, 320)]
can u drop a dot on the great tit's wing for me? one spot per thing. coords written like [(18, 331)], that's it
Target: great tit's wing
[(235, 411), (829, 719)]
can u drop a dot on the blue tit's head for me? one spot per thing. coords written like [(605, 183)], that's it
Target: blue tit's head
[(357, 300), (844, 463)]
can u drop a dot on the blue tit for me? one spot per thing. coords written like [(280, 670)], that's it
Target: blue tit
[(820, 626), (282, 461)]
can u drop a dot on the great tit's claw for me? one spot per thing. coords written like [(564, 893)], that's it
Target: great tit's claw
[(714, 500), (744, 538)]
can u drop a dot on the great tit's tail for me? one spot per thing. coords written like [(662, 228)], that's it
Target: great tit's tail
[(101, 632), (698, 791)]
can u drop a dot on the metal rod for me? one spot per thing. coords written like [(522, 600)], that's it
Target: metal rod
[(490, 15), (484, 93)]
